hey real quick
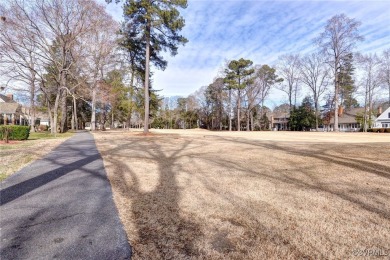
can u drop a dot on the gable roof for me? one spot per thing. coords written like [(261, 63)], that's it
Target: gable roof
[(385, 115), (5, 99), (8, 108), (7, 105), (349, 116)]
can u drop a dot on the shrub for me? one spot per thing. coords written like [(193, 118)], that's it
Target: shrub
[(16, 132), (379, 130), (43, 128)]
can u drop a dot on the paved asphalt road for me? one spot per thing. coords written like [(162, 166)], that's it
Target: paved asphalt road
[(61, 207)]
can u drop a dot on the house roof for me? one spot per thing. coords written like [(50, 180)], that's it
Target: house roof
[(385, 116), (282, 111), (5, 99), (8, 107), (281, 114), (349, 116)]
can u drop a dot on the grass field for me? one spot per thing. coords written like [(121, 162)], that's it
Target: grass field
[(259, 195), (17, 154)]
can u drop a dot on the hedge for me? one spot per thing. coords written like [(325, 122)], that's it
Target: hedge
[(379, 130), (17, 132)]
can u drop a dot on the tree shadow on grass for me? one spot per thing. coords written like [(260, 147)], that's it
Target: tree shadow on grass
[(163, 231), (348, 192), (19, 189)]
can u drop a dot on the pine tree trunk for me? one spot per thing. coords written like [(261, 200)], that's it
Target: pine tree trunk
[(32, 102), (238, 110), (72, 121), (50, 116), (32, 91), (76, 125), (64, 112), (365, 112), (336, 100), (316, 108), (370, 89), (93, 116), (55, 114), (146, 87), (230, 110), (290, 97), (252, 124), (112, 119), (247, 120), (261, 113)]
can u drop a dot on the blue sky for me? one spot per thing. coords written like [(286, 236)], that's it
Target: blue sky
[(258, 30)]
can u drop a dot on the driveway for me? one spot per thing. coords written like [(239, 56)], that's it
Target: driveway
[(61, 207)]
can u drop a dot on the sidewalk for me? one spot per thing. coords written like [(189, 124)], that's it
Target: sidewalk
[(61, 207)]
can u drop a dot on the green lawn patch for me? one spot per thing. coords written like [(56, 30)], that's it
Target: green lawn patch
[(48, 135)]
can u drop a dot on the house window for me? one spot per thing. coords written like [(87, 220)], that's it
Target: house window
[(389, 115)]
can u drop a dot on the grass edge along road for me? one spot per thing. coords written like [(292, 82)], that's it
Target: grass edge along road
[(17, 154)]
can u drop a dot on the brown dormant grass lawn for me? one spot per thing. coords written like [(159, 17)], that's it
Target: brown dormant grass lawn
[(17, 154), (197, 194)]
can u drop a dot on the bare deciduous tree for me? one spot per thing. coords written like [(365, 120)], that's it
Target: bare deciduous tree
[(288, 68), (370, 82), (385, 69), (315, 75), (257, 92), (99, 45), (18, 55), (336, 42), (52, 36)]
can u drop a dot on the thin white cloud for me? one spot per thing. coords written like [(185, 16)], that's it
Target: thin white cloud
[(260, 31)]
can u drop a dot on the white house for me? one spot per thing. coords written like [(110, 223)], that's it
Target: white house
[(383, 121)]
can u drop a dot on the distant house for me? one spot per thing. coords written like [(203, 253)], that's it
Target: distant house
[(383, 120), (279, 117), (279, 120), (347, 119), (13, 113)]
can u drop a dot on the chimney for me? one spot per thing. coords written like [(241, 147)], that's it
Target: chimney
[(10, 96), (341, 110), (379, 111)]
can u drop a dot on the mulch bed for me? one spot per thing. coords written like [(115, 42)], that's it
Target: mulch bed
[(10, 142)]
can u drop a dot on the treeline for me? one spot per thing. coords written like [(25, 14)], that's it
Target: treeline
[(77, 64), (331, 78), (58, 53)]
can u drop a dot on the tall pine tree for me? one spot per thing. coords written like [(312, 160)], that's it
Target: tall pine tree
[(156, 24), (347, 84), (237, 77)]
